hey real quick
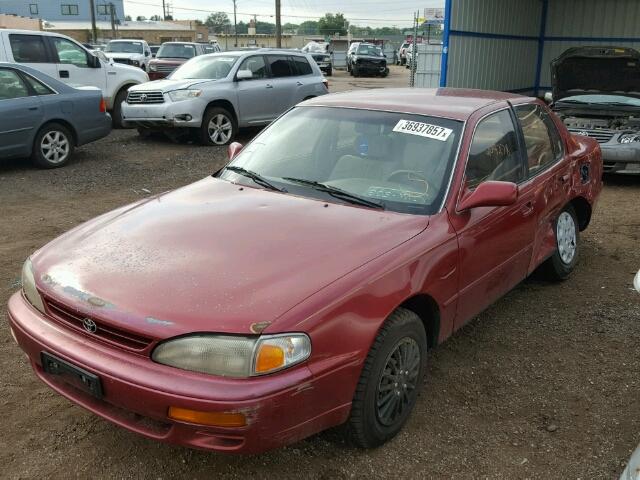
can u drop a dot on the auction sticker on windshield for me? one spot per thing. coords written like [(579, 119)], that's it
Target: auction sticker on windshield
[(423, 130)]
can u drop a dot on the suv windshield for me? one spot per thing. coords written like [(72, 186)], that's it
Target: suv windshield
[(399, 161), (213, 67), (369, 50), (176, 50), (124, 47), (607, 99)]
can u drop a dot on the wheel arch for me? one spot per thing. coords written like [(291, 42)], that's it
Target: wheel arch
[(125, 86), (226, 104), (583, 211), (64, 123), (428, 310)]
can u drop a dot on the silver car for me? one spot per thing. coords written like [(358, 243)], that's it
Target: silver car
[(219, 93)]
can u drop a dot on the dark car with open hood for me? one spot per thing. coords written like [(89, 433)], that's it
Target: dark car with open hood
[(596, 93)]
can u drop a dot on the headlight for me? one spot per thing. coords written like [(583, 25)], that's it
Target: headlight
[(179, 95), (29, 286), (152, 67), (135, 63), (234, 356), (326, 58), (629, 138)]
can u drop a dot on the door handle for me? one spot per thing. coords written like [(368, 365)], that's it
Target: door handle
[(33, 109), (564, 178), (299, 83), (64, 73), (269, 85), (527, 209)]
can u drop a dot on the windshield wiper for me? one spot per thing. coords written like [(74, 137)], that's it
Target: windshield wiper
[(336, 192), (257, 178)]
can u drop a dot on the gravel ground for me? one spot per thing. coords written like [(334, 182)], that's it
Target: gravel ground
[(544, 384)]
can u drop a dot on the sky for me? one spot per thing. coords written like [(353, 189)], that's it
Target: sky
[(375, 13)]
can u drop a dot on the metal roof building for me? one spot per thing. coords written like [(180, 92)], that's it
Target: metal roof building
[(509, 44)]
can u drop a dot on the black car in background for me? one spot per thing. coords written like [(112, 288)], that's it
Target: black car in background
[(366, 59), (321, 55)]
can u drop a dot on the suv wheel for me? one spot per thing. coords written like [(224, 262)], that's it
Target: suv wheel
[(53, 146), (218, 127), (116, 113)]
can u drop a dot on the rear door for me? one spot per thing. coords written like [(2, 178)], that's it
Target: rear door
[(548, 176), (73, 65), (20, 114), (33, 51), (306, 81)]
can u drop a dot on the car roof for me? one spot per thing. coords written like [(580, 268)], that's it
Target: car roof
[(454, 103)]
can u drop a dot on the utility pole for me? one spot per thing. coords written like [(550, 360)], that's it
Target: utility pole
[(278, 26), (414, 50), (164, 10), (235, 22), (94, 29), (112, 10)]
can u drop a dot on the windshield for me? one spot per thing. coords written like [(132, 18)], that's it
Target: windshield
[(124, 47), (399, 161), (369, 50), (205, 67), (616, 99), (176, 50)]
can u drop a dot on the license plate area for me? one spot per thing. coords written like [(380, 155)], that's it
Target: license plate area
[(71, 374)]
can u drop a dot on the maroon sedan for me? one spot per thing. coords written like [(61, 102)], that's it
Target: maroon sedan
[(301, 286), (170, 56)]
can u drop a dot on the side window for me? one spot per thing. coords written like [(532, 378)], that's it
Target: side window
[(38, 87), (69, 9), (11, 85), (280, 66), (33, 8), (70, 53), (302, 65), (494, 153), (542, 149), (103, 9), (28, 49), (256, 65)]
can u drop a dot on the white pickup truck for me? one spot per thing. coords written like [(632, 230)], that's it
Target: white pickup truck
[(67, 60)]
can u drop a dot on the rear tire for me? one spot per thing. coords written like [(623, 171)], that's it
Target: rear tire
[(53, 146), (218, 127), (355, 72), (116, 113), (561, 264), (390, 380)]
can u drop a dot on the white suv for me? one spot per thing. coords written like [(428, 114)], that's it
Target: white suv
[(130, 52), (67, 60)]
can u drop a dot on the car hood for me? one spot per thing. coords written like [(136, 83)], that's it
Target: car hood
[(596, 70), (212, 256), (167, 85)]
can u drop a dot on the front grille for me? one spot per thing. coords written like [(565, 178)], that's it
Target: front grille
[(114, 335), (145, 97), (166, 68), (600, 134)]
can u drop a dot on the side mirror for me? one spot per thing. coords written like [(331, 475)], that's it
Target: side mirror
[(147, 53), (548, 97), (244, 75), (234, 149), (491, 194), (94, 61)]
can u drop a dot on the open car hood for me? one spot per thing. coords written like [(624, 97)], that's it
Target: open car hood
[(596, 70)]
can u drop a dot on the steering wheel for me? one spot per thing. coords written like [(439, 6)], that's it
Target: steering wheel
[(410, 177)]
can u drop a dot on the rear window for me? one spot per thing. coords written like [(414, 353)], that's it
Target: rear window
[(280, 66), (302, 65), (28, 49), (176, 50)]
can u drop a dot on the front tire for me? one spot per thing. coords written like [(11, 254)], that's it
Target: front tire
[(117, 109), (390, 380), (218, 127), (53, 146), (561, 264)]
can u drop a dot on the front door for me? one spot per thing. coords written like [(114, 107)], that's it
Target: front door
[(21, 115), (255, 93), (74, 67), (495, 242)]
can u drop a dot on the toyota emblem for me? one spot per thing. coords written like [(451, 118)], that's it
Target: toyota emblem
[(143, 97), (583, 133), (89, 325)]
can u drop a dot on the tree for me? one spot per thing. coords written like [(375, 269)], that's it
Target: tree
[(217, 22), (155, 18), (331, 24), (265, 28), (127, 18), (242, 28), (309, 27), (290, 28), (141, 18)]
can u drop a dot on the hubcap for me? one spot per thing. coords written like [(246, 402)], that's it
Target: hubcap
[(55, 147), (398, 381), (566, 237), (220, 129)]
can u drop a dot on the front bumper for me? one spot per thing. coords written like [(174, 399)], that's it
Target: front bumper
[(280, 409), (187, 113), (375, 69), (621, 157)]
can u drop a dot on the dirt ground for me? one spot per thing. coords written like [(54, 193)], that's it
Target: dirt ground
[(544, 384)]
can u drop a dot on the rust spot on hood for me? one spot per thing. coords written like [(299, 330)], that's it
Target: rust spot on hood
[(259, 327)]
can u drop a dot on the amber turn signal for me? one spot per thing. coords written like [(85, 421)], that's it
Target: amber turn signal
[(270, 357), (214, 419)]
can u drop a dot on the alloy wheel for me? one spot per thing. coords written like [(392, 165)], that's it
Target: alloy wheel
[(55, 147), (398, 381), (566, 237), (220, 129)]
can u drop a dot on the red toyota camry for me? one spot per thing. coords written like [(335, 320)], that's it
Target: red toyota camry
[(301, 286)]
